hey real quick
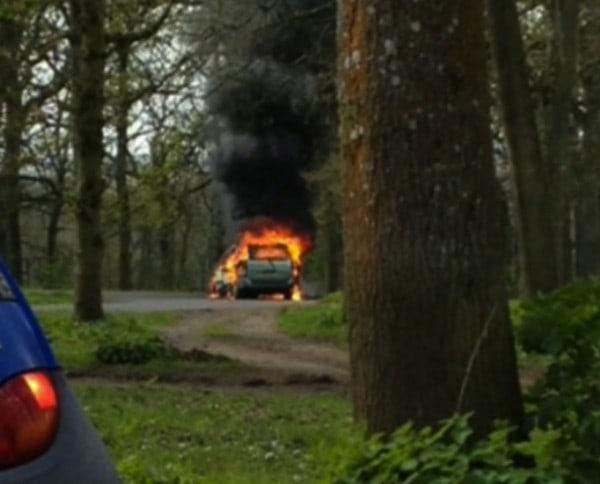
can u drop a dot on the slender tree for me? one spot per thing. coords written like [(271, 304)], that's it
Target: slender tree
[(424, 218), (531, 176), (558, 125)]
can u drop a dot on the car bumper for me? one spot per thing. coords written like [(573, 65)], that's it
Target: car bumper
[(266, 286)]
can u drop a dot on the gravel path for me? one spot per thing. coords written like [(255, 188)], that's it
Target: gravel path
[(251, 337)]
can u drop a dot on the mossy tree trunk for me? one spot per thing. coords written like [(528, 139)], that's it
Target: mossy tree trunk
[(424, 219)]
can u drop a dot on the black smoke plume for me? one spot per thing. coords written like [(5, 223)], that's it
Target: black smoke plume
[(270, 129)]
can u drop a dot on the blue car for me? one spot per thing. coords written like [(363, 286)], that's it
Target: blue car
[(45, 437)]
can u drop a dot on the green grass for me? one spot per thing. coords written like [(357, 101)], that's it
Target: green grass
[(159, 434), (75, 346), (322, 321), (75, 343), (37, 296)]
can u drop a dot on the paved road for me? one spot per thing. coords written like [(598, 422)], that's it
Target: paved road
[(153, 302)]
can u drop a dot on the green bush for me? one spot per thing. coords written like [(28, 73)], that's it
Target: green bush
[(130, 343), (553, 323), (569, 399), (566, 326), (447, 456), (133, 352)]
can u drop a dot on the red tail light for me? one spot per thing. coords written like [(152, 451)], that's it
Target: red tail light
[(28, 418)]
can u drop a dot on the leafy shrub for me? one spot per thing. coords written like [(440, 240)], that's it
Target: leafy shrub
[(133, 352), (129, 343), (569, 399), (553, 323), (446, 456)]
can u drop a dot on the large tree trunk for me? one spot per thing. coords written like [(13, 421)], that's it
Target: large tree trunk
[(124, 216), (532, 177), (88, 54), (425, 224), (10, 233)]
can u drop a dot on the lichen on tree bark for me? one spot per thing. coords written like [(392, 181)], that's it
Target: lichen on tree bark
[(424, 218)]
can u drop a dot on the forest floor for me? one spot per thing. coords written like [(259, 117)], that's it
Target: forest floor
[(239, 402), (256, 393)]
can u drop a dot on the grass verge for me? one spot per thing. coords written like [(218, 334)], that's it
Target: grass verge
[(322, 321), (76, 346), (160, 434), (38, 297), (75, 343)]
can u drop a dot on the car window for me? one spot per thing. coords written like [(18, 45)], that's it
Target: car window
[(270, 253), (5, 292)]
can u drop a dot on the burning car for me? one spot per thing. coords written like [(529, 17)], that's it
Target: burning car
[(268, 259)]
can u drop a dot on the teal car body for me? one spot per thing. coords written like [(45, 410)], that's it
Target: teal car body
[(268, 270)]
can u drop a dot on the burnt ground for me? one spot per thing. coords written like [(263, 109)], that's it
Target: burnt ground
[(249, 336)]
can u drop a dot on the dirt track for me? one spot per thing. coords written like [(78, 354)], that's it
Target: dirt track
[(250, 336)]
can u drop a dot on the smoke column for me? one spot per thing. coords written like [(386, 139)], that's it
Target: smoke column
[(270, 131)]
